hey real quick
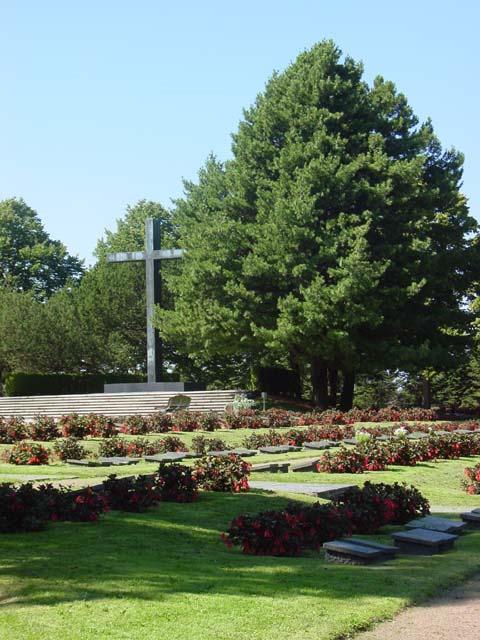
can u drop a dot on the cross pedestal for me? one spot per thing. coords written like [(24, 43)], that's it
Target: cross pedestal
[(152, 257)]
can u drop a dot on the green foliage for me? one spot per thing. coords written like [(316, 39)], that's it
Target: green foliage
[(336, 236), (29, 259), (44, 384)]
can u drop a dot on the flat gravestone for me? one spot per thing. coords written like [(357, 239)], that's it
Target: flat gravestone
[(384, 438), (417, 435), (319, 444), (471, 519), (437, 524), (119, 460), (464, 432), (349, 441), (327, 491), (88, 463), (262, 466), (356, 552), (220, 454), (423, 541), (304, 465), (173, 456), (281, 448), (246, 453)]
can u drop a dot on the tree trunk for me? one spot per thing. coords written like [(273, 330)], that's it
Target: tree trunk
[(346, 398), (426, 394), (333, 383), (319, 377)]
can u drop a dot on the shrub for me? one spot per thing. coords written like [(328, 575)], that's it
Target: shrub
[(471, 480), (44, 428), (12, 430), (131, 494), (172, 443), (177, 483), (243, 419), (275, 418), (210, 421), (144, 447), (287, 532), (27, 453), (240, 402), (85, 506), (22, 508), (202, 445), (135, 425), (99, 426), (186, 421), (271, 438), (355, 460), (223, 473), (160, 422), (73, 425), (113, 447), (374, 505), (69, 449)]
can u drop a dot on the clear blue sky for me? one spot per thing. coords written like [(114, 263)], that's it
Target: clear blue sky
[(108, 102)]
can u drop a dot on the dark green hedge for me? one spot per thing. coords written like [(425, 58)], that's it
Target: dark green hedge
[(48, 384)]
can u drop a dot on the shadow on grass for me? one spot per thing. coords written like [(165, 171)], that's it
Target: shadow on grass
[(177, 549)]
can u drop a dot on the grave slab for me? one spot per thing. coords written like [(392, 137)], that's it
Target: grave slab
[(220, 454), (349, 441), (174, 456), (327, 491), (437, 524), (351, 552), (245, 453), (471, 519), (119, 460), (423, 541), (319, 444), (281, 448), (417, 435), (304, 465), (88, 463)]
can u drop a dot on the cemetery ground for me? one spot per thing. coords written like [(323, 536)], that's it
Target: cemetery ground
[(166, 573)]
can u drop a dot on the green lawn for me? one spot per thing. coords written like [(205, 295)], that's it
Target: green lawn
[(166, 574)]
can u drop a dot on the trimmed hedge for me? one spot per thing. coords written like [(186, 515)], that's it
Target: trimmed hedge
[(50, 384)]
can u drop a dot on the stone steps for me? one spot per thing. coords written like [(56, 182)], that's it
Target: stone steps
[(110, 404)]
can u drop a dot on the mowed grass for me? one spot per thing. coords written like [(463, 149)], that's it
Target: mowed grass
[(166, 574)]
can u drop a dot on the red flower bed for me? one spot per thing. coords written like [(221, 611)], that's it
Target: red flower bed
[(135, 425), (131, 494), (22, 508), (177, 483), (299, 526), (73, 425), (223, 473), (69, 449), (471, 480), (187, 421), (144, 447), (12, 430), (27, 453), (44, 428), (355, 460)]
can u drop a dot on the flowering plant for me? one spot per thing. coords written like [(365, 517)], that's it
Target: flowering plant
[(22, 508), (131, 494), (135, 425), (223, 473), (43, 428), (12, 430), (144, 447), (471, 479), (177, 483), (202, 445), (73, 425), (27, 453), (69, 449), (113, 447)]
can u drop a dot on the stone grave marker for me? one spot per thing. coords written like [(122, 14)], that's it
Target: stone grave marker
[(119, 460), (471, 518), (304, 465), (357, 551), (437, 524), (88, 463), (173, 456), (281, 448), (417, 435), (245, 453), (423, 541), (319, 444)]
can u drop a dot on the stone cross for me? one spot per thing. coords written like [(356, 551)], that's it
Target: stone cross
[(152, 256)]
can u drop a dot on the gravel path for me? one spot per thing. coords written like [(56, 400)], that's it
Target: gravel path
[(452, 616)]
